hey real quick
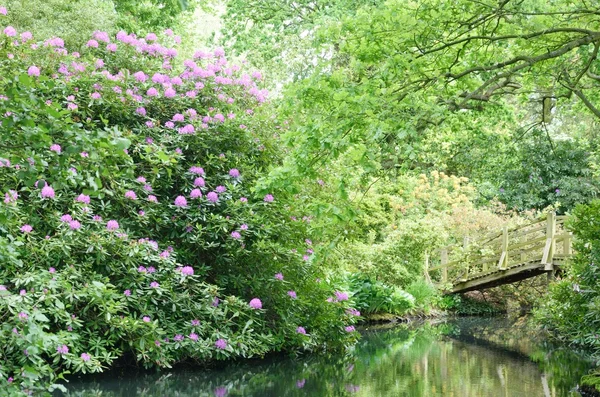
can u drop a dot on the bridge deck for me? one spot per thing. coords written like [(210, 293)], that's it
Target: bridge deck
[(496, 277)]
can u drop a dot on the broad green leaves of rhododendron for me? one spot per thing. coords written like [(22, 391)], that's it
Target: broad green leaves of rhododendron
[(130, 225)]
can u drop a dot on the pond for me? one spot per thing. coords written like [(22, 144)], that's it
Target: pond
[(460, 357)]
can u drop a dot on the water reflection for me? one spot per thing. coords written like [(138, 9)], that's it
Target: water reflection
[(462, 358)]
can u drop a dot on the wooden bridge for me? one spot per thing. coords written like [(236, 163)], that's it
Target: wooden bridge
[(502, 257)]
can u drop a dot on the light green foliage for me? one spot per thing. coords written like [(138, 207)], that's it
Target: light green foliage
[(416, 84), (425, 293), (145, 16), (398, 223), (278, 35), (74, 21)]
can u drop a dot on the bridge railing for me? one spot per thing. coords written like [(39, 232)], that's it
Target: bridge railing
[(543, 241)]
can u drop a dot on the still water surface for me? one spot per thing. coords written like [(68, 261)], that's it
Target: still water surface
[(458, 358)]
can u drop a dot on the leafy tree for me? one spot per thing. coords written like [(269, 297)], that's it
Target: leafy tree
[(393, 74)]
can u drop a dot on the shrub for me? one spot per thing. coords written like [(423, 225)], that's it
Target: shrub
[(131, 226), (373, 297), (571, 310)]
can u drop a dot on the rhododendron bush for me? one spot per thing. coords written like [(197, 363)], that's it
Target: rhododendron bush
[(130, 225)]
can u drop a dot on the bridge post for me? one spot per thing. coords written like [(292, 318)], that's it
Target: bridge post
[(444, 261), (465, 247), (567, 249), (503, 262), (427, 277), (550, 242)]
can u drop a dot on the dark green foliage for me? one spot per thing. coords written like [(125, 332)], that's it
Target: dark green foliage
[(372, 297), (539, 173), (572, 310), (465, 306)]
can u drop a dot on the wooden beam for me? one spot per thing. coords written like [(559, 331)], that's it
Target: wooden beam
[(550, 243), (503, 262)]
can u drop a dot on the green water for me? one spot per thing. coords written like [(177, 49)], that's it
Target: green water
[(461, 358)]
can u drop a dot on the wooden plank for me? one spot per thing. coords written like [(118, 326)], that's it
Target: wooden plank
[(526, 243), (526, 232)]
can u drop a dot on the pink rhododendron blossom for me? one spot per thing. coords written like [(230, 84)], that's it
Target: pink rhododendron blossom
[(353, 312), (85, 357), (48, 192), (33, 71), (244, 227), (269, 198), (141, 111), (52, 270), (146, 319), (292, 294), (112, 47), (112, 225), (154, 284), (255, 303), (221, 344), (236, 235), (350, 328), (140, 76), (66, 218), (26, 229), (199, 182), (195, 193), (55, 148), (341, 296), (180, 201), (212, 197), (170, 93), (10, 31), (127, 292), (130, 194), (193, 337), (221, 189), (74, 225), (92, 44), (3, 11), (101, 36), (197, 170), (152, 198), (301, 330), (95, 95), (11, 197), (187, 271), (82, 198), (279, 276), (243, 199), (63, 349)]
